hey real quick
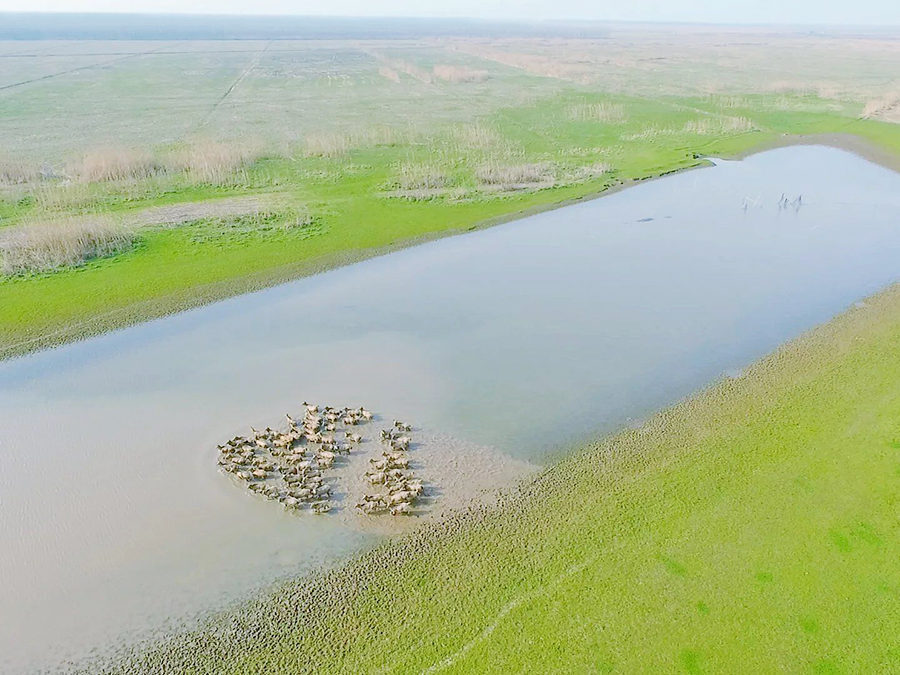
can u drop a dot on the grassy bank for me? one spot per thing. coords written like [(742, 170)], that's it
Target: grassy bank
[(383, 143), (751, 529), (354, 207)]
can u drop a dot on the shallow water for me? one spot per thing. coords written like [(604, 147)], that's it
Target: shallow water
[(521, 338)]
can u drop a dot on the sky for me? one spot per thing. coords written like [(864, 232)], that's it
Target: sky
[(846, 12)]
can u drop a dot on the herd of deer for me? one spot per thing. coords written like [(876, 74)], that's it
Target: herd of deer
[(288, 466)]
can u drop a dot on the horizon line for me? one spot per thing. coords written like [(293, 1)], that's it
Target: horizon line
[(533, 20)]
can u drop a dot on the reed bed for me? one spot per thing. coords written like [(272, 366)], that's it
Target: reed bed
[(510, 177), (115, 164), (607, 113), (18, 172), (460, 74), (327, 144), (880, 106), (215, 162), (413, 176), (707, 126), (477, 136), (389, 73), (47, 246)]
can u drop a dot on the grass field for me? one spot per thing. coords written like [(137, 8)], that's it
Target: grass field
[(752, 529), (381, 143)]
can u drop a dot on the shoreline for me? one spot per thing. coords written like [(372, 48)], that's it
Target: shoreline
[(199, 296), (269, 627)]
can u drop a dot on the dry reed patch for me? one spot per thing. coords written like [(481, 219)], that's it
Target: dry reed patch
[(114, 164), (215, 162), (460, 74), (536, 64), (389, 74), (590, 172), (477, 136), (397, 66), (707, 126), (607, 113), (413, 70), (18, 171), (412, 176), (719, 125), (179, 214), (327, 144), (883, 107), (516, 176), (48, 246)]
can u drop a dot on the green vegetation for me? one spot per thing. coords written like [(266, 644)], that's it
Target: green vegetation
[(379, 147), (376, 196), (752, 529)]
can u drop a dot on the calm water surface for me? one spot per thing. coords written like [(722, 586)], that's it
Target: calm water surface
[(114, 521)]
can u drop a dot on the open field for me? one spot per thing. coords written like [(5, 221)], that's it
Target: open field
[(378, 143), (750, 529)]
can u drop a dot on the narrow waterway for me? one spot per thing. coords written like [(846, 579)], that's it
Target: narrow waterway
[(505, 344)]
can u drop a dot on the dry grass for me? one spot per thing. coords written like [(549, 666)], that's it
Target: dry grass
[(215, 162), (18, 172), (608, 113), (477, 136), (395, 66), (719, 125), (389, 74), (411, 176), (460, 74), (515, 176), (47, 246), (881, 106), (591, 171), (555, 67), (707, 126), (175, 215), (327, 144), (114, 164)]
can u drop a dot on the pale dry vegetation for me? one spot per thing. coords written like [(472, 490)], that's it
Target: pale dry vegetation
[(591, 171), (332, 144), (477, 136), (389, 74), (557, 67), (515, 176), (719, 125), (114, 164), (202, 161), (413, 176), (706, 126), (883, 107), (460, 74), (396, 66), (215, 162), (47, 246), (18, 171), (607, 113), (327, 144)]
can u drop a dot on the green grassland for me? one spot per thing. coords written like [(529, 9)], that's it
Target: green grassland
[(751, 529), (338, 139)]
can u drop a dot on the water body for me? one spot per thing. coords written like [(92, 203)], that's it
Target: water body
[(520, 338)]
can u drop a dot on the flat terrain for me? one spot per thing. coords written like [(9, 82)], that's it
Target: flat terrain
[(356, 146), (751, 529)]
